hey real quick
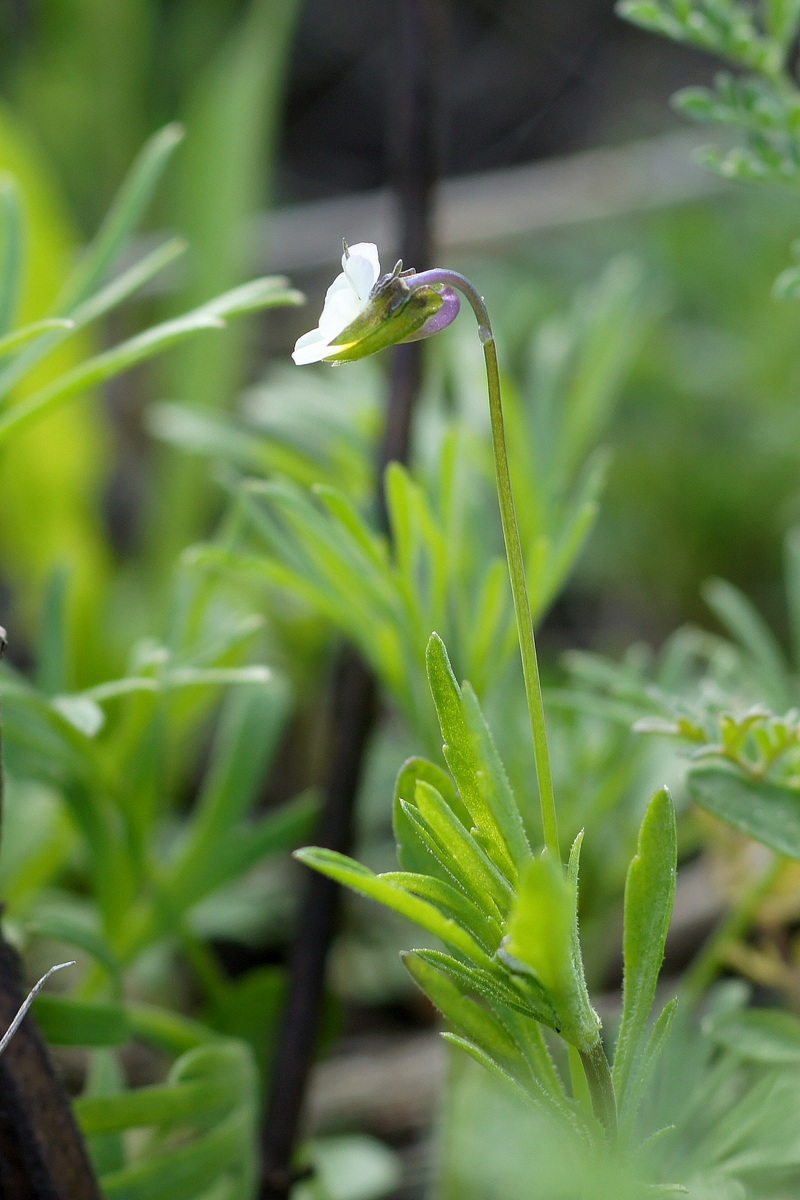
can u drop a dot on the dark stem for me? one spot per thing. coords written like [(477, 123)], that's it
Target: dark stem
[(417, 67), (42, 1154)]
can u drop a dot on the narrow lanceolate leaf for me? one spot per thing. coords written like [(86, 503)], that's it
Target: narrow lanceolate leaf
[(66, 1022), (124, 215), (765, 811), (649, 897), (758, 1035), (161, 1104), (466, 1017), (453, 903), (412, 849), (472, 868), (460, 754), (540, 942), (521, 996), (647, 1062), (353, 875), (12, 252), (259, 294), (28, 333)]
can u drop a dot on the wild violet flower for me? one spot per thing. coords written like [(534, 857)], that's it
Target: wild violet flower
[(365, 311)]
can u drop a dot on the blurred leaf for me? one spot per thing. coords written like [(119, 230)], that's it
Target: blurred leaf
[(351, 1168), (269, 292), (233, 113), (67, 1022), (757, 1035), (764, 811), (11, 254), (649, 898), (123, 218)]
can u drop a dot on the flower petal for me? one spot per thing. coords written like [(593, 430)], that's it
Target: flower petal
[(310, 348), (342, 305), (362, 268)]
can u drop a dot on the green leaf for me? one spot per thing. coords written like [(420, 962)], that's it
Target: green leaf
[(29, 333), (11, 252), (351, 874), (523, 996), (453, 903), (263, 293), (647, 1062), (488, 1062), (649, 898), (66, 1022), (473, 869), (211, 867), (351, 1167), (159, 1105), (758, 1035), (782, 18), (123, 217), (413, 850), (466, 1017), (765, 811), (540, 940), (752, 633), (462, 758)]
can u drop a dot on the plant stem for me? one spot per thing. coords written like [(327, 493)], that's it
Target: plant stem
[(601, 1087), (707, 965), (516, 562)]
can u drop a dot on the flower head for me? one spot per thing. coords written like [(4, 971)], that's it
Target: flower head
[(365, 311)]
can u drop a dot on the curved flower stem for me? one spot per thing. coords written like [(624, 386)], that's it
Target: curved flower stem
[(516, 563)]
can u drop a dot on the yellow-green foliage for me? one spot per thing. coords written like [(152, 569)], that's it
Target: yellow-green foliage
[(51, 474)]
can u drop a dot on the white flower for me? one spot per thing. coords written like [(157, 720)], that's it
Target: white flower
[(346, 298)]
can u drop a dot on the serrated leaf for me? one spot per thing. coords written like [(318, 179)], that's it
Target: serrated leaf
[(768, 812), (649, 898)]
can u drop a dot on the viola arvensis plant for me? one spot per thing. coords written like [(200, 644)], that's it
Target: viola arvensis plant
[(507, 914)]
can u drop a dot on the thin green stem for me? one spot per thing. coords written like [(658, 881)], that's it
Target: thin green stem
[(513, 544), (734, 926)]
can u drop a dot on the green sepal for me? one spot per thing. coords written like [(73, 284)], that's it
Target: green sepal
[(394, 313)]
